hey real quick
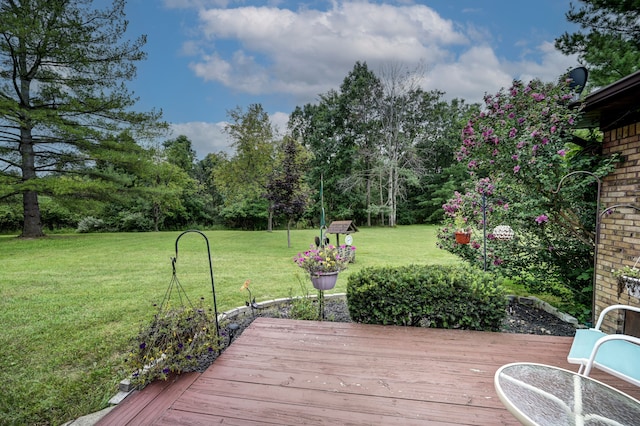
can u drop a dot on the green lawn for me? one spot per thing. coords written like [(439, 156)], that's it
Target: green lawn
[(69, 303)]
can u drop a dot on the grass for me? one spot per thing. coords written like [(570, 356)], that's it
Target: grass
[(70, 303)]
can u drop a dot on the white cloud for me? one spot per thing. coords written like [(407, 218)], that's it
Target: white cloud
[(209, 138), (205, 137), (307, 52), (553, 64), (299, 54), (279, 120), (478, 71)]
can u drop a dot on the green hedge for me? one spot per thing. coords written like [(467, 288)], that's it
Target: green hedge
[(428, 296)]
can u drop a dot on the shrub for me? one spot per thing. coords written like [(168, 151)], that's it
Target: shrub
[(429, 296), (90, 224), (518, 149), (56, 215), (10, 217), (133, 222), (304, 308)]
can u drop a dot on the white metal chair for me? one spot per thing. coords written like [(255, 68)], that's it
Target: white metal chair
[(617, 354)]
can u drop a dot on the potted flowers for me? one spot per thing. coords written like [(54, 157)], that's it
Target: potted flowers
[(463, 232), (324, 264), (629, 279)]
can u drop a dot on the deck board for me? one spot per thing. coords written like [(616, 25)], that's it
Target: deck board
[(289, 372)]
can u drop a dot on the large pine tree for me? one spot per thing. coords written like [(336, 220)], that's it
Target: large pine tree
[(608, 41), (63, 103)]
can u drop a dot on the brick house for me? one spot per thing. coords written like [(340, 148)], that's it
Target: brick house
[(615, 109)]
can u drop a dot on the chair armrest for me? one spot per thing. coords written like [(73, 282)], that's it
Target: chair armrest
[(604, 340), (608, 309)]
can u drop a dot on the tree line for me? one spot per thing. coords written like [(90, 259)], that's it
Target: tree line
[(375, 146), (74, 152)]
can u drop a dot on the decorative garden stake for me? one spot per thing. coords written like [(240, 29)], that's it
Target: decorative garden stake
[(251, 302)]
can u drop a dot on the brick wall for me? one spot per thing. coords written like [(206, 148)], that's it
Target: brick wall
[(619, 230)]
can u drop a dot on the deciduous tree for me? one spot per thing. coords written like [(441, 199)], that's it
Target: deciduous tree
[(361, 91), (242, 178), (286, 190), (405, 111), (179, 151)]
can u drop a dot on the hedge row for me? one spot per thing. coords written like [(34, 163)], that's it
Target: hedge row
[(428, 296)]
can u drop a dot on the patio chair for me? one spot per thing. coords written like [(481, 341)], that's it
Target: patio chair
[(617, 354)]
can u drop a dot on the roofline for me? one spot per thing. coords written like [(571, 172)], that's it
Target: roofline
[(603, 95)]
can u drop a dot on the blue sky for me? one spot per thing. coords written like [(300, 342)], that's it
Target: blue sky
[(206, 57)]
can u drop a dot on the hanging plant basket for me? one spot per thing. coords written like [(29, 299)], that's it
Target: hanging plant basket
[(324, 280), (630, 284), (628, 280), (463, 237), (503, 233)]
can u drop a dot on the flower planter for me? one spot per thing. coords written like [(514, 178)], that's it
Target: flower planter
[(347, 253), (324, 280), (629, 279), (463, 237), (630, 284)]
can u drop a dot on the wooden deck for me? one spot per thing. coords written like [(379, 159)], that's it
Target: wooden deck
[(286, 372)]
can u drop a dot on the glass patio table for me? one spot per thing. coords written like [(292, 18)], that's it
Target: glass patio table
[(538, 394)]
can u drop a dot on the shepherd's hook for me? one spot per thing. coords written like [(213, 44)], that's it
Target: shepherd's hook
[(213, 288)]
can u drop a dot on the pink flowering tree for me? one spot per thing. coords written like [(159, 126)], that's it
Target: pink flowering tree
[(516, 151)]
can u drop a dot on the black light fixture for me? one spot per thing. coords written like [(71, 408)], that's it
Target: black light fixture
[(233, 328)]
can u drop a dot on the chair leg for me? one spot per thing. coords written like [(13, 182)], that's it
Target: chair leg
[(581, 369)]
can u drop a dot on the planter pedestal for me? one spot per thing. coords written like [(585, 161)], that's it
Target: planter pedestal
[(323, 281)]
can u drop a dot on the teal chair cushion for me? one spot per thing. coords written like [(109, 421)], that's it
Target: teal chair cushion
[(582, 346)]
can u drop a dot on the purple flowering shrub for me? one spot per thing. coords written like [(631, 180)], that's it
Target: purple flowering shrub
[(469, 207), (517, 150), (522, 134), (173, 342)]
